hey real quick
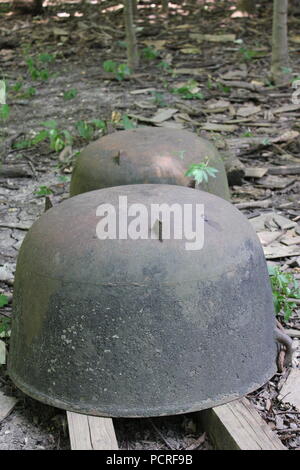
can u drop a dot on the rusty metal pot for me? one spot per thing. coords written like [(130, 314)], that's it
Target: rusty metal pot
[(147, 155), (141, 327)]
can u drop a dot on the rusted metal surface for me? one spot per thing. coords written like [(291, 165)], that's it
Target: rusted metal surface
[(141, 327), (147, 155)]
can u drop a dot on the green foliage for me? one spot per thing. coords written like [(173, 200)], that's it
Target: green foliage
[(110, 66), (99, 124), (29, 92), (35, 72), (58, 138), (189, 91), (43, 191), (70, 94), (4, 107), (4, 111), (22, 144), (149, 53), (248, 133), (158, 99), (247, 54), (223, 88), (37, 66), (5, 325), (46, 58), (64, 178), (128, 123), (121, 71), (163, 65), (201, 172), (86, 129), (3, 300), (284, 288), (17, 86)]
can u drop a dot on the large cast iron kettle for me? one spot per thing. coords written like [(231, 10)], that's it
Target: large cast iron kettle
[(141, 327), (147, 155)]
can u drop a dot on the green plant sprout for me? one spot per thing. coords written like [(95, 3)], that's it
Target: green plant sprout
[(37, 65), (43, 191), (121, 71), (58, 139), (247, 54), (201, 172), (70, 94), (248, 133), (163, 65), (284, 289), (5, 325), (128, 123), (189, 91), (3, 300), (29, 92), (150, 53), (86, 129), (4, 107)]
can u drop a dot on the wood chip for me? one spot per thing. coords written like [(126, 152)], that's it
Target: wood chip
[(277, 250), (288, 240), (283, 222), (186, 71), (235, 74), (246, 111), (275, 182), (284, 170), (287, 108), (210, 126), (254, 204), (6, 405), (290, 392), (255, 172), (142, 91), (163, 115), (293, 333), (266, 238), (213, 37)]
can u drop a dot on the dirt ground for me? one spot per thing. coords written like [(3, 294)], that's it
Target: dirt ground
[(260, 126)]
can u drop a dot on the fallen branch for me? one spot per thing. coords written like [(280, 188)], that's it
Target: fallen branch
[(284, 170), (254, 204), (14, 171)]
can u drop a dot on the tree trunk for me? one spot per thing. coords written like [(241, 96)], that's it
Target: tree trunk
[(132, 51), (134, 8), (165, 6), (280, 59)]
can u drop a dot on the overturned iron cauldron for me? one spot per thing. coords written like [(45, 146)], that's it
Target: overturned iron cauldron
[(147, 155), (141, 327)]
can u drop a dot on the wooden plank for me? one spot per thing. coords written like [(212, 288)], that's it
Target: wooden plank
[(238, 426), (6, 405), (290, 392), (292, 333), (91, 432)]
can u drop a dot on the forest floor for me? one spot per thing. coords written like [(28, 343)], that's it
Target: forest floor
[(53, 66)]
